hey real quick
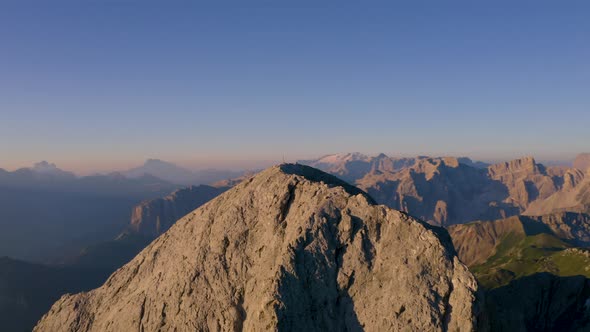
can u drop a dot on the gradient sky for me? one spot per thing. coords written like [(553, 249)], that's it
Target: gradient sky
[(93, 85)]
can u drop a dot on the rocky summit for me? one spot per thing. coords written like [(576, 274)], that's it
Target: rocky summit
[(291, 249)]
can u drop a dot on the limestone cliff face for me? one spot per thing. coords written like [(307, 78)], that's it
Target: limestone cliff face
[(573, 196), (444, 191), (525, 181), (291, 249), (153, 217), (569, 226)]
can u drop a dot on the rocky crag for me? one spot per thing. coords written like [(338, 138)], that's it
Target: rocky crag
[(292, 248)]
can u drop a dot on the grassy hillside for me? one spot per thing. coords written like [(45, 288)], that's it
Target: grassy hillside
[(520, 255)]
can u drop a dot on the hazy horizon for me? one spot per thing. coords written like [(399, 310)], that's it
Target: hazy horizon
[(247, 164), (95, 86)]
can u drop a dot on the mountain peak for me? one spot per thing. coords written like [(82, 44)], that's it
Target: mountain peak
[(524, 164), (451, 161), (291, 248), (381, 156), (44, 167), (582, 161), (163, 170), (342, 157), (314, 175), (152, 161)]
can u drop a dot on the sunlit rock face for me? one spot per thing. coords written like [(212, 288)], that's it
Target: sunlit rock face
[(292, 248)]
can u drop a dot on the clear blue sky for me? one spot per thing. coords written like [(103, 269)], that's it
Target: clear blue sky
[(99, 84)]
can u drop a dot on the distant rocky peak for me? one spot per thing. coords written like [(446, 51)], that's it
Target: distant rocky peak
[(46, 168), (469, 162), (573, 177), (382, 156), (157, 162), (524, 164), (451, 161), (342, 157), (582, 161), (527, 162)]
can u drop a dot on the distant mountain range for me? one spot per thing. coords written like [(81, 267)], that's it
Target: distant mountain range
[(27, 290), (46, 213), (532, 268), (292, 248), (535, 220), (442, 191), (449, 190), (149, 219), (178, 175), (46, 168)]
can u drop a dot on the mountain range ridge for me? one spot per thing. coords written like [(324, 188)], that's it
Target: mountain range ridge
[(563, 308), (448, 190), (245, 261), (532, 185)]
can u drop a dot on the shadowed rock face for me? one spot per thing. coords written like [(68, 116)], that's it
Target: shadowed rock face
[(445, 191), (574, 195), (439, 190), (448, 190), (292, 248), (27, 291), (541, 302), (154, 217)]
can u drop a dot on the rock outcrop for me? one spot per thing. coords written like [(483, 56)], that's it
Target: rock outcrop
[(477, 241), (574, 195), (571, 227), (292, 248), (228, 183)]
